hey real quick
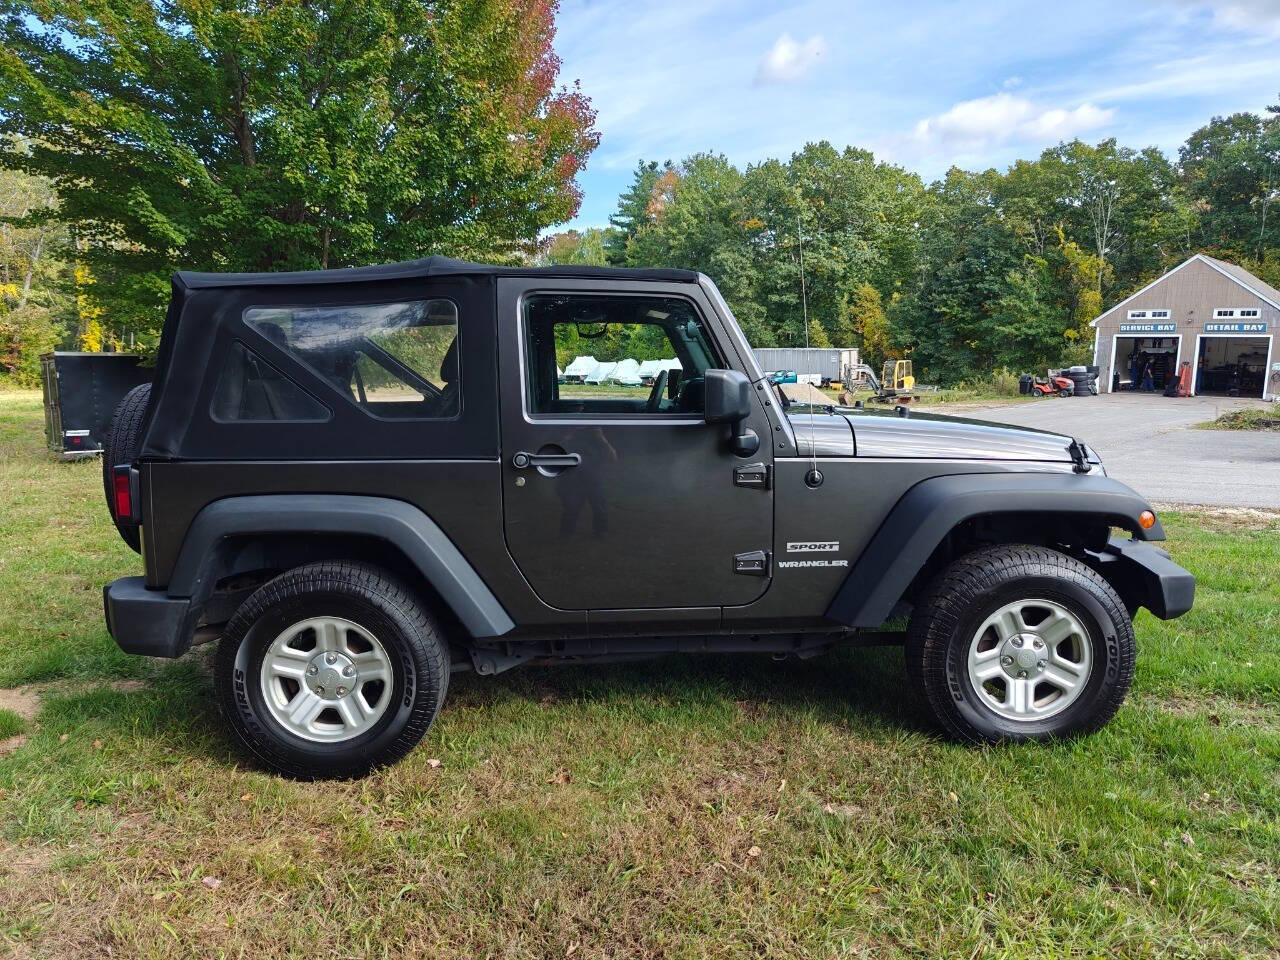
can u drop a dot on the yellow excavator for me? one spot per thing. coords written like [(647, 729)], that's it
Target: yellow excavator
[(897, 383)]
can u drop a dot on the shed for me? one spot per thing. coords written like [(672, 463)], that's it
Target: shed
[(1213, 316)]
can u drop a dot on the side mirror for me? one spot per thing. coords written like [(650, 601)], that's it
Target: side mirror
[(728, 400)]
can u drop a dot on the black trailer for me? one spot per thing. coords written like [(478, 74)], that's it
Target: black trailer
[(81, 391)]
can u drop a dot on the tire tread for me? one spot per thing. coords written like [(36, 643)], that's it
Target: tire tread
[(941, 608), (371, 584)]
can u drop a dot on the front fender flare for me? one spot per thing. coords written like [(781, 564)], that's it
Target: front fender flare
[(394, 521), (933, 508)]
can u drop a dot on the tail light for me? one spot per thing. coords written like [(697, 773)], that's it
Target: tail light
[(124, 489)]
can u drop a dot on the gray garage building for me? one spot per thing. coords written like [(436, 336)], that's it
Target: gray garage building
[(1215, 316)]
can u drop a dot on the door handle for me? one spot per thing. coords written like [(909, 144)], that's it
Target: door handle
[(523, 460)]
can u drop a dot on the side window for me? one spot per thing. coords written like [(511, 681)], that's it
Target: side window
[(593, 355), (249, 388), (391, 359)]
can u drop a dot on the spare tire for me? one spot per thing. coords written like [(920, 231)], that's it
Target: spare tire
[(122, 447)]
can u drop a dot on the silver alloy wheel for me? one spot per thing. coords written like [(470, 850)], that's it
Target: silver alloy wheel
[(1030, 660), (326, 679)]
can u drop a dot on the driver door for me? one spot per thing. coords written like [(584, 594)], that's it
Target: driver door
[(616, 493)]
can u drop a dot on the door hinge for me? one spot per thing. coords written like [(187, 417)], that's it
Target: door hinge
[(755, 475), (753, 563)]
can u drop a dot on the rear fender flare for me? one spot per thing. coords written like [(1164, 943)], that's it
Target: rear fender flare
[(398, 523), (933, 508)]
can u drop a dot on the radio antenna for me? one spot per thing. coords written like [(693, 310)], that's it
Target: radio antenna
[(812, 479)]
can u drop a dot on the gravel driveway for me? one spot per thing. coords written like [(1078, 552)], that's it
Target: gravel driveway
[(1147, 442)]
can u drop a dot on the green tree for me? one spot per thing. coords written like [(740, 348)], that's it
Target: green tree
[(229, 135), (867, 326), (588, 247), (946, 321), (34, 303), (634, 209), (1231, 169)]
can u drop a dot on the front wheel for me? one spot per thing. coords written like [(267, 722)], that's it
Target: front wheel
[(331, 670), (1020, 643)]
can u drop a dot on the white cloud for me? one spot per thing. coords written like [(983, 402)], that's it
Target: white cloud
[(1005, 117), (1253, 16), (1059, 124), (788, 60)]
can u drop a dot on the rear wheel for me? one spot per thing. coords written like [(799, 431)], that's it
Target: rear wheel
[(331, 670), (121, 446), (1020, 643)]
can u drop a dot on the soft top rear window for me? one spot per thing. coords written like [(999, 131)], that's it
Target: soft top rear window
[(394, 360)]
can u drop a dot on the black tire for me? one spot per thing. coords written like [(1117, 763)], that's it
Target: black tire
[(122, 447), (954, 606), (376, 602)]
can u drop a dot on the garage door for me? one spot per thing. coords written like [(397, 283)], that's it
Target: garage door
[(1232, 364)]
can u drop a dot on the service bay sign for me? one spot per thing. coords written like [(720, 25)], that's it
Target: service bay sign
[(1148, 327), (1253, 326)]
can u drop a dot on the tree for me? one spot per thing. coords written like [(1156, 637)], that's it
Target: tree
[(1231, 170), (968, 253), (33, 303), (634, 208), (587, 247), (868, 326), (229, 135)]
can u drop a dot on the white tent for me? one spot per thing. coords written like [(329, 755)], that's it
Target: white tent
[(650, 369), (672, 364), (626, 373), (600, 373), (580, 367)]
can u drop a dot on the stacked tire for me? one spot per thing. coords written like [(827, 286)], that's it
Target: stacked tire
[(1085, 379)]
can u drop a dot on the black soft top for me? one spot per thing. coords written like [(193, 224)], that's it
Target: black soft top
[(206, 318), (429, 267)]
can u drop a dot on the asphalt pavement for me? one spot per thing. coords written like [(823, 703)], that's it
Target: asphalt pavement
[(1148, 442)]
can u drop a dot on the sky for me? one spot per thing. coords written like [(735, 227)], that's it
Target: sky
[(926, 85)]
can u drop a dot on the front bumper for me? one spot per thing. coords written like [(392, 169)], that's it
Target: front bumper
[(146, 622), (1144, 576)]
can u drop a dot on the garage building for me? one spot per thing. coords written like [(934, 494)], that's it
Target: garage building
[(1214, 316)]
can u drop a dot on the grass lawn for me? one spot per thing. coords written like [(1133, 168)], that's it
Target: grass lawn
[(1247, 418), (688, 807)]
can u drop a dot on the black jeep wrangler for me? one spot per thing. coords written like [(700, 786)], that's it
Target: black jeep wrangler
[(361, 480)]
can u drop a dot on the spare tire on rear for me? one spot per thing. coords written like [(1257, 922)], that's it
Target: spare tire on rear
[(122, 444)]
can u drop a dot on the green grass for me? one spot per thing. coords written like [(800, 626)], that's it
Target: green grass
[(1246, 418), (602, 391), (687, 807), (10, 724)]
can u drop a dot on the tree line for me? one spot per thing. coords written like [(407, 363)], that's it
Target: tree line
[(218, 136), (974, 272), (140, 139)]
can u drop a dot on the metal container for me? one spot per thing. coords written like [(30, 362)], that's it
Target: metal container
[(828, 363), (81, 392)]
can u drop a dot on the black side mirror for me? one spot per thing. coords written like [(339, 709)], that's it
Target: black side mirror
[(728, 400)]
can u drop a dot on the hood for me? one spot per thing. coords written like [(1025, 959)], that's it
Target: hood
[(850, 431)]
